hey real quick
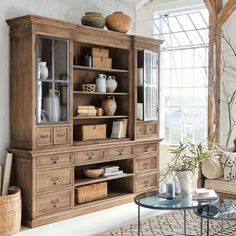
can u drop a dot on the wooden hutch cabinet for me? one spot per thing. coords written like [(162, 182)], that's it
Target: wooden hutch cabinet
[(48, 68)]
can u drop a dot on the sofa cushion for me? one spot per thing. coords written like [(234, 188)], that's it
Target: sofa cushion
[(211, 168), (222, 186), (228, 161)]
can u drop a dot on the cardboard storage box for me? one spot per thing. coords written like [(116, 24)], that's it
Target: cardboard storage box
[(100, 52), (92, 132), (102, 62)]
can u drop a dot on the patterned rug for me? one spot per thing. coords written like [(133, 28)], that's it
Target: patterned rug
[(171, 224)]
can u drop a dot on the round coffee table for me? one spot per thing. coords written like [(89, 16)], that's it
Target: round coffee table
[(224, 209), (154, 200)]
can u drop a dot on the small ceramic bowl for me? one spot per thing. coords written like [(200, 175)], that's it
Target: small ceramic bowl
[(92, 172)]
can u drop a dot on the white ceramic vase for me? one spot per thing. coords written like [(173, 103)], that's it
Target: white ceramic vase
[(185, 181), (111, 84), (43, 70)]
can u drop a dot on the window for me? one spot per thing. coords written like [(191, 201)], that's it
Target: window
[(183, 80)]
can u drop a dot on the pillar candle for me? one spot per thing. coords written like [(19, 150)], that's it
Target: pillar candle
[(170, 190)]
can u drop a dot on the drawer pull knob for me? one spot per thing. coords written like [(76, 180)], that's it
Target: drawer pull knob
[(120, 151), (146, 183), (54, 160), (54, 180), (90, 155), (44, 136), (145, 149), (61, 135), (145, 165), (54, 202)]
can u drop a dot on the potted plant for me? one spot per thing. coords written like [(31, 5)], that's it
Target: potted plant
[(187, 158)]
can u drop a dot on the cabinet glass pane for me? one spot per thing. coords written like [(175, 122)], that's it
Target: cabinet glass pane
[(52, 80)]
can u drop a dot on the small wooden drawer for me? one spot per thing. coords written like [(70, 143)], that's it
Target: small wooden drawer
[(152, 129), (55, 178), (61, 135), (150, 147), (52, 202), (54, 160), (142, 130), (118, 152), (44, 136), (144, 182), (89, 156), (146, 164)]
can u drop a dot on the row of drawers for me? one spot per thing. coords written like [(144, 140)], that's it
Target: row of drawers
[(64, 199), (63, 177), (85, 157)]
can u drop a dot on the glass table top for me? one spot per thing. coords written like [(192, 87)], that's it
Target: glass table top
[(224, 209), (154, 200)]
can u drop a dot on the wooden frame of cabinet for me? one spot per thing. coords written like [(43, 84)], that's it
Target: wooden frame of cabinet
[(48, 159)]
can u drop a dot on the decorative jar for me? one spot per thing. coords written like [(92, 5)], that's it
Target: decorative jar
[(119, 22), (109, 105), (93, 19), (111, 84), (42, 70)]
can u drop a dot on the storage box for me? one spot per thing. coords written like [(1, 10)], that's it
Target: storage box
[(90, 192), (100, 52), (92, 132), (102, 62)]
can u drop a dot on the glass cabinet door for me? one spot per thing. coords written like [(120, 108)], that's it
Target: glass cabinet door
[(148, 88), (52, 93)]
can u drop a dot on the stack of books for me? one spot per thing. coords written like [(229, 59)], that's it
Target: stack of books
[(204, 194), (119, 128), (86, 111), (111, 171)]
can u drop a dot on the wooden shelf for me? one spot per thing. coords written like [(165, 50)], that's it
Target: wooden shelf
[(100, 141), (99, 69), (110, 196), (87, 181), (99, 93), (98, 117)]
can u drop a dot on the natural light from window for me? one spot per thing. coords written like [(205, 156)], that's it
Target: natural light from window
[(183, 75)]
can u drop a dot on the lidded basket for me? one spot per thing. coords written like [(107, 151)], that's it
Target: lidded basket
[(93, 19), (119, 22)]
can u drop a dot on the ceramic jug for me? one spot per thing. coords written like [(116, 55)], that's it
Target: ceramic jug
[(109, 105), (42, 70), (101, 83), (111, 84), (52, 105)]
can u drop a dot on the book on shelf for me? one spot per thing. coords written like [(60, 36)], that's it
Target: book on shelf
[(204, 194), (117, 127), (86, 108), (113, 173), (110, 168), (124, 128)]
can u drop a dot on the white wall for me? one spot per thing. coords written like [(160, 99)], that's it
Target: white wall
[(70, 10)]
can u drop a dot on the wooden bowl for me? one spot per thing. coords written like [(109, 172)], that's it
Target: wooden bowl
[(92, 172)]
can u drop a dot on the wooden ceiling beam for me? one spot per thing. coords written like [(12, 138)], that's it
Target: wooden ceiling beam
[(226, 11)]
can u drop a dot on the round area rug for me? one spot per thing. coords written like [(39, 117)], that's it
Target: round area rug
[(171, 224)]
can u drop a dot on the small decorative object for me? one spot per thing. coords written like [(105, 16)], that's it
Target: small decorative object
[(118, 22), (93, 19), (140, 77), (87, 61), (100, 52), (140, 111), (185, 161), (52, 105), (101, 83), (99, 111), (170, 190), (111, 84), (92, 132), (109, 105), (89, 87), (92, 172), (102, 62), (42, 70)]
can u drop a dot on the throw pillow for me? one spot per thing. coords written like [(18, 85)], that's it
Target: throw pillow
[(228, 161), (211, 168)]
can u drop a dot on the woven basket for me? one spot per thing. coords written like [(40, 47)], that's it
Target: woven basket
[(89, 87), (10, 212), (90, 192)]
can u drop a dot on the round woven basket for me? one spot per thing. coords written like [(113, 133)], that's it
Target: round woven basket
[(10, 212), (89, 87)]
